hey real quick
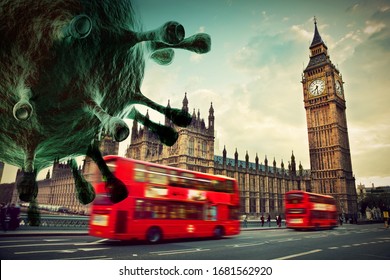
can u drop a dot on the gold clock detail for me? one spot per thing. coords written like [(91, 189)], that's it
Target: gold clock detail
[(339, 88), (317, 87)]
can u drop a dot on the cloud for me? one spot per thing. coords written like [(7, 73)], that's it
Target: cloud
[(373, 27)]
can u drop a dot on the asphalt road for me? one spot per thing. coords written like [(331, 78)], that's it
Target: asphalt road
[(348, 242)]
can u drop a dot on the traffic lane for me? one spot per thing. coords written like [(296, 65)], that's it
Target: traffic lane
[(272, 244), (297, 245)]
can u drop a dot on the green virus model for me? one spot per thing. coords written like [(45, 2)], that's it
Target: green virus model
[(71, 70)]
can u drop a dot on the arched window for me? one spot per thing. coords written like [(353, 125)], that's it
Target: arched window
[(191, 146), (204, 149)]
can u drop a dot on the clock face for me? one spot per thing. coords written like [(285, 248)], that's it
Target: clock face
[(339, 88), (317, 87)]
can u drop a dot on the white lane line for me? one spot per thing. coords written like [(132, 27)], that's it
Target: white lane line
[(288, 240), (246, 245), (37, 245), (299, 255), (18, 241), (60, 251), (86, 258), (52, 244), (91, 243), (184, 251)]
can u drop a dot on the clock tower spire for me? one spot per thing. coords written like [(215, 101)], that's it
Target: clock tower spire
[(324, 99)]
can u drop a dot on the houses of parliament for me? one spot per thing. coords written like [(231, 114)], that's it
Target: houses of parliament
[(262, 181)]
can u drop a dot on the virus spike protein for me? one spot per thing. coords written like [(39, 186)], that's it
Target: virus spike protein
[(73, 72)]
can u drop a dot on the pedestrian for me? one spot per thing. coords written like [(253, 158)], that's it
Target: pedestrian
[(246, 221), (4, 217), (14, 213), (269, 220), (262, 220), (279, 222), (341, 220)]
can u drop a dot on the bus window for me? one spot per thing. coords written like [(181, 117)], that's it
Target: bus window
[(181, 211), (139, 209), (157, 176), (173, 178), (139, 173), (294, 198), (229, 186), (203, 185), (102, 199), (188, 180)]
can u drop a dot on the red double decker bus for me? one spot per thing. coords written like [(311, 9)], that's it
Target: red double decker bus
[(165, 203), (305, 210)]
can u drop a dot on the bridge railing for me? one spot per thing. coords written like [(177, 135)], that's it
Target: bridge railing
[(57, 221), (81, 222)]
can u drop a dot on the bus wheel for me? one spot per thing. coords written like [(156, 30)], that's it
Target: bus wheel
[(218, 232), (154, 235)]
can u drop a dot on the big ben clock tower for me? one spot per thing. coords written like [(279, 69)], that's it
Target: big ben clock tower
[(330, 157)]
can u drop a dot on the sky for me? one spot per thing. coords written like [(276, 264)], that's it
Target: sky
[(252, 75)]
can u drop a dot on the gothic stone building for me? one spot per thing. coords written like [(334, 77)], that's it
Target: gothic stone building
[(262, 186), (58, 188)]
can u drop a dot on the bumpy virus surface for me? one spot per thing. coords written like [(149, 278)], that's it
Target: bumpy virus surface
[(72, 68)]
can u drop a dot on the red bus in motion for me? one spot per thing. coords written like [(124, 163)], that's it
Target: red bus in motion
[(164, 203), (305, 210)]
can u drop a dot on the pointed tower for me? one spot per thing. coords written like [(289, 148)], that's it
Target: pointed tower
[(185, 103), (168, 122), (324, 99), (211, 119)]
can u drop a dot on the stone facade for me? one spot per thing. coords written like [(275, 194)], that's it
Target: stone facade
[(261, 187), (58, 188), (330, 157)]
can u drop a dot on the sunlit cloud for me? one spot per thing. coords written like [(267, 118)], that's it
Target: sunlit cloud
[(373, 27)]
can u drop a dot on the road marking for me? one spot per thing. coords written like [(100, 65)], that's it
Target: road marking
[(299, 255), (51, 244), (246, 245), (55, 240), (183, 251), (85, 258), (99, 241), (333, 248), (288, 240), (60, 251), (18, 241), (36, 245)]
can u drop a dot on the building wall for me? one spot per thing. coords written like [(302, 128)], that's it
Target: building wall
[(330, 157), (58, 188), (1, 170), (261, 187)]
